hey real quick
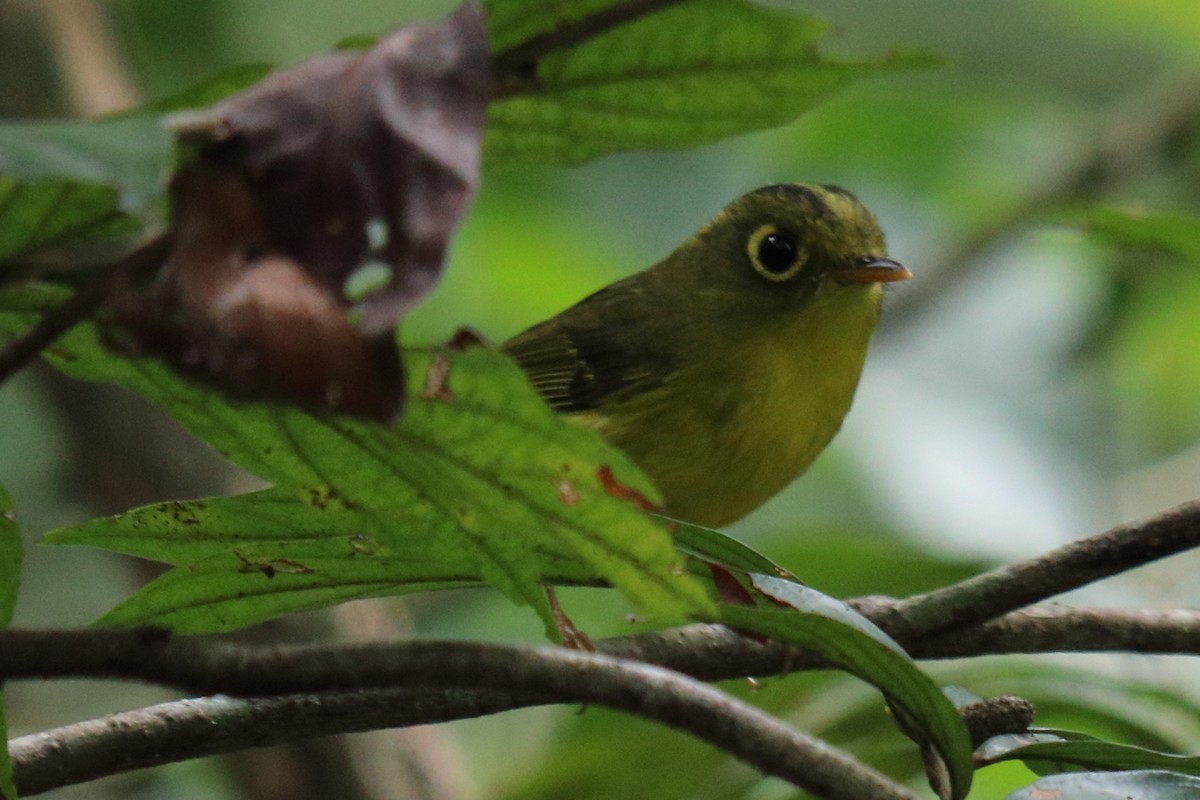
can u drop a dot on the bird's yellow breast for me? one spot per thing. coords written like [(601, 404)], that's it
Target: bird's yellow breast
[(724, 434)]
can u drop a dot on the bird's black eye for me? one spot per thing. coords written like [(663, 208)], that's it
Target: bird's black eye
[(775, 254)]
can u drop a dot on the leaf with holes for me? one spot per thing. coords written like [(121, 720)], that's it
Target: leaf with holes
[(481, 483)]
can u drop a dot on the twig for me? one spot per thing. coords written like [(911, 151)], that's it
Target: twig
[(996, 716), (23, 349), (559, 675), (1009, 588), (20, 351)]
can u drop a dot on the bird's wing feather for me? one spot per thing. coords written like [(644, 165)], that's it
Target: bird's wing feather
[(589, 354)]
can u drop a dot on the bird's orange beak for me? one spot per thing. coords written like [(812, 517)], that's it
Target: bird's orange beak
[(870, 269)]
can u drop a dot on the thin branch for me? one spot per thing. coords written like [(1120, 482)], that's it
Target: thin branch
[(1079, 563), (20, 351), (713, 652), (515, 71), (1065, 629), (559, 675)]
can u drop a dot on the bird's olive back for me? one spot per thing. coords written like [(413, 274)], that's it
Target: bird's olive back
[(778, 242)]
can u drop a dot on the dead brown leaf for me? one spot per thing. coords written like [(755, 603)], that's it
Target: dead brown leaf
[(344, 162)]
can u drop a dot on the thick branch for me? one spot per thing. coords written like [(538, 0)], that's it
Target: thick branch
[(1079, 563), (559, 675), (194, 728), (185, 729)]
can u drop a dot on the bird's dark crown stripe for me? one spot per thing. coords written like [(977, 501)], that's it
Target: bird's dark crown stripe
[(812, 197)]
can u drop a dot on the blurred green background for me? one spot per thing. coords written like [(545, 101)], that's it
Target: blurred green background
[(1037, 381)]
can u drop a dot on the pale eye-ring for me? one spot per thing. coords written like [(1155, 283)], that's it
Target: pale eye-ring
[(774, 254)]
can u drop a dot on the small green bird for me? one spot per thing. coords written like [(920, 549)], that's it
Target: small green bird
[(727, 367)]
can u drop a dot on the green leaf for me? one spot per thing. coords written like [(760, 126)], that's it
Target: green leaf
[(311, 554), (829, 626), (864, 655), (242, 586), (1142, 785), (683, 76), (130, 153), (480, 482), (1060, 751), (513, 22), (40, 214), (807, 600), (10, 576), (716, 547)]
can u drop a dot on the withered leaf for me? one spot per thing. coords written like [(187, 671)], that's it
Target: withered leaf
[(255, 321), (344, 162)]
